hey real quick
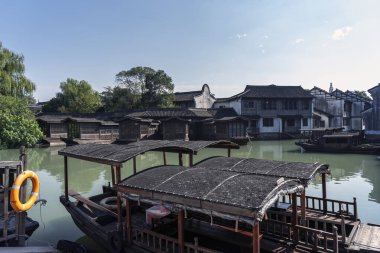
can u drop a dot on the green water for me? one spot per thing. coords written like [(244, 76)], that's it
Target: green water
[(352, 176)]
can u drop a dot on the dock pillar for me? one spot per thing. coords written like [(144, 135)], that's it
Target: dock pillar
[(229, 152), (256, 238), (113, 175), (181, 237), (324, 194), (21, 216)]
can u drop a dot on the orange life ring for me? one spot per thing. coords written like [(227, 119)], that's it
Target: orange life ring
[(15, 192)]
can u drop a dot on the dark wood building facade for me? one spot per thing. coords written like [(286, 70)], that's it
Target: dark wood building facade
[(135, 129)]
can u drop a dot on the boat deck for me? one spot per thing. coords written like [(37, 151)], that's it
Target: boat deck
[(366, 239)]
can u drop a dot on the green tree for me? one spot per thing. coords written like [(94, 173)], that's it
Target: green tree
[(152, 88), (12, 79), (118, 99), (362, 94), (17, 123), (75, 96)]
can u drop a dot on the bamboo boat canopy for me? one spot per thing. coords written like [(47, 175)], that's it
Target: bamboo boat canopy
[(116, 154), (292, 170), (216, 185)]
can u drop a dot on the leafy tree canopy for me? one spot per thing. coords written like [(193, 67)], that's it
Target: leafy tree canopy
[(145, 87), (17, 123), (12, 79), (75, 96), (362, 93)]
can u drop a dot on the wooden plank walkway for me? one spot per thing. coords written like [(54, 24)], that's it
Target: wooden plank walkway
[(367, 239)]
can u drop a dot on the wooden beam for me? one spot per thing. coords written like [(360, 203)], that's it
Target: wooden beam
[(256, 238), (181, 238), (294, 218), (88, 202), (128, 222), (324, 194)]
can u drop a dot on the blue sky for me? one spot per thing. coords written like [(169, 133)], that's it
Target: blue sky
[(227, 44)]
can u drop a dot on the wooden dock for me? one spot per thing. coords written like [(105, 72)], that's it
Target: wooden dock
[(35, 249), (366, 239)]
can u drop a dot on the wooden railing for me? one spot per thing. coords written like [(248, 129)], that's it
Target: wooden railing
[(317, 240), (331, 206), (309, 238), (159, 243)]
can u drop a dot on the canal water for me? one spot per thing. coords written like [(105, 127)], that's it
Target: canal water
[(352, 176)]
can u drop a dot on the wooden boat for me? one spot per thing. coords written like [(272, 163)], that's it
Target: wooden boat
[(220, 204), (341, 142)]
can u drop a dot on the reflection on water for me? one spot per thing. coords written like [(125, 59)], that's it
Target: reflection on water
[(352, 176)]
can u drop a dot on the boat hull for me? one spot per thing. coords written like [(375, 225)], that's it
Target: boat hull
[(361, 149)]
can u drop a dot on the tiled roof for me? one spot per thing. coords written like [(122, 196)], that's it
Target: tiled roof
[(172, 112), (274, 91), (218, 113), (186, 96)]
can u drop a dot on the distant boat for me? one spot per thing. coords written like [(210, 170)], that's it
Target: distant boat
[(340, 142)]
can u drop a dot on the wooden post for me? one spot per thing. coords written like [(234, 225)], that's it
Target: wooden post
[(180, 160), (118, 174), (5, 207), (66, 178), (335, 240), (134, 165), (128, 222), (181, 239), (191, 162), (113, 174), (164, 155), (229, 152), (355, 209), (21, 216), (294, 218), (324, 193), (256, 238), (303, 207), (119, 217)]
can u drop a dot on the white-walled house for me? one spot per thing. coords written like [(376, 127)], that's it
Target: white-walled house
[(195, 99), (272, 110)]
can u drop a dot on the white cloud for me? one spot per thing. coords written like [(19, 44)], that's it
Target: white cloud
[(299, 40), (240, 36), (340, 33), (265, 37), (260, 46)]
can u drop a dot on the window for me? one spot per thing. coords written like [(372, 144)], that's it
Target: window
[(268, 104), (290, 123), (305, 105), (346, 121), (322, 123), (290, 104), (305, 122), (249, 104), (267, 122)]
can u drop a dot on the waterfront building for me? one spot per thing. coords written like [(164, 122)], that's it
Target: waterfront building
[(135, 129), (272, 111), (372, 115), (195, 99)]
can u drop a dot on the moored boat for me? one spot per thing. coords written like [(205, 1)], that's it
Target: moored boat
[(220, 204), (340, 142)]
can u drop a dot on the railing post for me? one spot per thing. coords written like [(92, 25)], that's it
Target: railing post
[(196, 245), (256, 237), (303, 207), (324, 195), (335, 239), (294, 218), (355, 209), (128, 222), (181, 239)]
